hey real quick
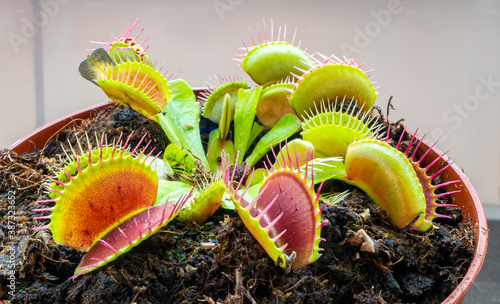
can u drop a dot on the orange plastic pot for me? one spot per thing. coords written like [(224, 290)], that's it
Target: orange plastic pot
[(467, 199), (38, 138), (472, 211)]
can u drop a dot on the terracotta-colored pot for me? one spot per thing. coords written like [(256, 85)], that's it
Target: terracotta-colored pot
[(472, 210), (38, 138), (467, 199)]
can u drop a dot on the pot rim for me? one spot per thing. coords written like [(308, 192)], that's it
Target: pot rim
[(481, 229), (37, 139)]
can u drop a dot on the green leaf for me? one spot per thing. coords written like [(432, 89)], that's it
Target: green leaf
[(179, 158), (212, 136), (244, 118), (288, 125), (171, 190), (204, 204), (227, 204), (297, 150), (302, 151), (256, 130), (215, 151), (180, 120), (325, 169), (162, 168), (225, 120)]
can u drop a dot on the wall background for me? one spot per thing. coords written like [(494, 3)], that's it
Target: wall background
[(439, 60)]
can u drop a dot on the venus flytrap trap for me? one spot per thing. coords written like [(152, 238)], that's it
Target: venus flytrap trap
[(135, 84), (83, 192), (397, 190), (125, 47), (273, 103), (212, 99), (127, 77), (110, 206), (129, 234), (318, 112), (394, 180), (271, 61), (284, 216), (330, 131), (329, 79), (205, 201)]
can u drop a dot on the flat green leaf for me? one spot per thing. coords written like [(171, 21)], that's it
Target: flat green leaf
[(244, 116), (162, 168), (225, 120), (297, 150), (288, 125), (227, 204), (178, 158), (212, 136), (180, 120), (251, 192), (215, 151), (171, 190), (256, 130), (324, 169)]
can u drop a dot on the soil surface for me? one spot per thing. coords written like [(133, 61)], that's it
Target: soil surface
[(219, 261)]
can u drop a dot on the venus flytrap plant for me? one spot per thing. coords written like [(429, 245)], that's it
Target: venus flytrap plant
[(109, 199), (269, 64), (395, 183), (134, 82), (392, 179), (246, 129)]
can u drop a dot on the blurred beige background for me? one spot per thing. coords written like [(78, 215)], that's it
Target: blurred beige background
[(440, 60)]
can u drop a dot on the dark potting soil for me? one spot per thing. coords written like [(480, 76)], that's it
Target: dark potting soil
[(219, 261)]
